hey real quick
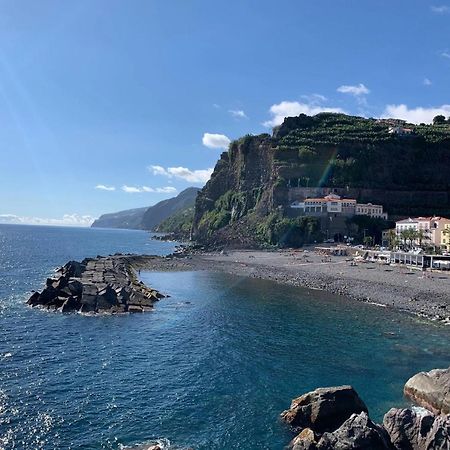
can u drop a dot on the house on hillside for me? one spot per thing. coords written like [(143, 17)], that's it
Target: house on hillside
[(401, 131)]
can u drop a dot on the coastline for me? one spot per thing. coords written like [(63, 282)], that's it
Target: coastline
[(400, 288)]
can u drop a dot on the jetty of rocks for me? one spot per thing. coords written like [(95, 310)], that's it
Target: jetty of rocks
[(97, 285), (336, 418)]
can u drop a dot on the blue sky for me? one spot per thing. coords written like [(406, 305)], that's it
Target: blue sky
[(110, 105)]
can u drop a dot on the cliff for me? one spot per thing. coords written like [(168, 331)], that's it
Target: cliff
[(130, 219), (246, 199), (163, 210), (148, 218)]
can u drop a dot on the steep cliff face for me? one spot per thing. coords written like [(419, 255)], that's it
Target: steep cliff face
[(407, 172), (242, 182)]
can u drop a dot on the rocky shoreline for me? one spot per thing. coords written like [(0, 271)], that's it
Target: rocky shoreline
[(97, 285), (398, 288), (336, 418)]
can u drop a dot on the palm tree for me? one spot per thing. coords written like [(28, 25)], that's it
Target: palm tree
[(422, 235), (392, 239), (413, 236)]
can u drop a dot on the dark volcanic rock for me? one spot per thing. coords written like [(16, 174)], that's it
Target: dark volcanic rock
[(430, 390), (102, 284), (321, 417), (417, 429), (324, 409), (359, 433)]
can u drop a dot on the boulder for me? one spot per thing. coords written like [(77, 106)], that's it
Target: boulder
[(106, 298), (417, 429), (70, 305), (305, 440), (430, 390), (48, 295), (324, 409), (75, 286), (73, 269), (34, 299), (358, 432)]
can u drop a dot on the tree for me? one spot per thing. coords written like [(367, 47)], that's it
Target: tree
[(408, 236), (368, 241), (392, 239), (439, 120), (422, 235)]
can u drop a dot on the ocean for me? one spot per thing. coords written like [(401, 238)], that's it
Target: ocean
[(210, 368)]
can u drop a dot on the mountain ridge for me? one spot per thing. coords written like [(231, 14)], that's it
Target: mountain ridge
[(149, 217)]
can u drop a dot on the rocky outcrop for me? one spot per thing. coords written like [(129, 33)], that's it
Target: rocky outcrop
[(96, 285), (430, 390), (357, 432), (417, 429), (324, 409), (336, 418)]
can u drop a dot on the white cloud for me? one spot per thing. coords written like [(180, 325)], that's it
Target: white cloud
[(415, 115), (238, 113), (441, 9), (68, 220), (289, 109), (192, 176), (427, 82), (356, 90), (212, 140), (445, 54), (103, 187), (140, 189), (314, 98)]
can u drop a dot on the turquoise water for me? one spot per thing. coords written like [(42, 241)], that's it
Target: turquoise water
[(210, 368)]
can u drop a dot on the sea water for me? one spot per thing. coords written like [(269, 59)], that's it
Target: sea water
[(210, 368)]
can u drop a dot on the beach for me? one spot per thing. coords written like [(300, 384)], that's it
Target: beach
[(425, 294)]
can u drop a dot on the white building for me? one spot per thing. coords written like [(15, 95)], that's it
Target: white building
[(334, 204), (431, 226), (367, 209), (401, 131)]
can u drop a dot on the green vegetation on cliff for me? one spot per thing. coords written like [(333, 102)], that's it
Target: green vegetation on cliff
[(179, 224), (277, 230), (337, 150), (405, 170)]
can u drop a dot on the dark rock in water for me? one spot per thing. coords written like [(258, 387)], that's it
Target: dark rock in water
[(102, 284), (324, 409), (357, 433), (417, 429), (70, 305), (34, 299), (430, 390)]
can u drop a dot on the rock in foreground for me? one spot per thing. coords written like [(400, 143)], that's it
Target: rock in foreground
[(324, 409), (430, 390), (96, 285), (328, 418), (417, 429)]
